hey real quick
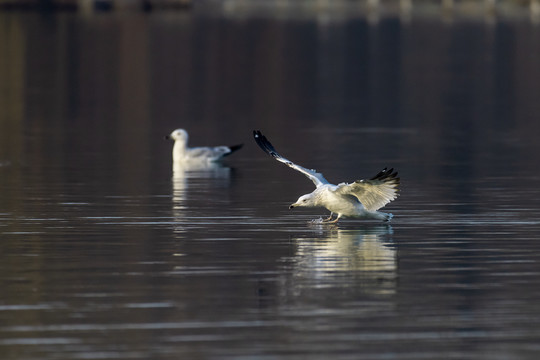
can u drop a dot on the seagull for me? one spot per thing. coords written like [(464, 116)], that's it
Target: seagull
[(360, 199), (183, 154)]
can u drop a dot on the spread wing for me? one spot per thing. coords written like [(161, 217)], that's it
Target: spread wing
[(375, 192), (268, 148)]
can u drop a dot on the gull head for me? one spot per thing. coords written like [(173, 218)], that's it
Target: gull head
[(178, 135), (307, 200)]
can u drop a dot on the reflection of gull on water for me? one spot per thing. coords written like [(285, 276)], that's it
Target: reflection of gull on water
[(189, 175), (359, 259), (193, 181), (182, 153), (360, 199)]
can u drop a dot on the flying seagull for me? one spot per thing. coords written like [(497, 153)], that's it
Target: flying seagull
[(360, 199), (182, 153)]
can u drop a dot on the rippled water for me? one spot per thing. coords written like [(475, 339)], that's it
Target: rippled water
[(107, 253)]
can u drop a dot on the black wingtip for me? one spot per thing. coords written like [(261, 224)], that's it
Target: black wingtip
[(233, 148), (260, 138), (388, 176), (264, 144)]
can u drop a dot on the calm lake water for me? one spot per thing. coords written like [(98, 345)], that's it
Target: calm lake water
[(105, 253)]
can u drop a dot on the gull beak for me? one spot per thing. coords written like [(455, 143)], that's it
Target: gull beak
[(167, 137), (292, 206)]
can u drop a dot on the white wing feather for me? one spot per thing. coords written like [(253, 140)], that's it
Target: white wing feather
[(375, 192), (317, 178)]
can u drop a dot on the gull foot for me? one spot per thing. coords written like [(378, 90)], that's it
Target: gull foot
[(328, 219)]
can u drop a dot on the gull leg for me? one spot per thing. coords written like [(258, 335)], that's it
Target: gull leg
[(335, 220), (328, 218)]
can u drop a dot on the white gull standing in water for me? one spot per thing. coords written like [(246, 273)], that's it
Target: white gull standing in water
[(360, 199), (182, 153)]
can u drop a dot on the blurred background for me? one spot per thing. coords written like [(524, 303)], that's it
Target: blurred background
[(445, 74)]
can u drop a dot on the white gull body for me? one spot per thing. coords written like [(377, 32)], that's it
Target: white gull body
[(181, 153), (360, 199)]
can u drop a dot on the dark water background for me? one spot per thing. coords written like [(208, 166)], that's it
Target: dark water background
[(106, 254)]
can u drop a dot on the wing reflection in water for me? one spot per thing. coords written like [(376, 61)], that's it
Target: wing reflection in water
[(363, 261), (195, 183)]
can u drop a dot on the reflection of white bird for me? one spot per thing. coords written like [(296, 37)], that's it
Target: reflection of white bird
[(182, 153), (193, 184), (361, 259), (361, 199), (214, 175), (341, 250)]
